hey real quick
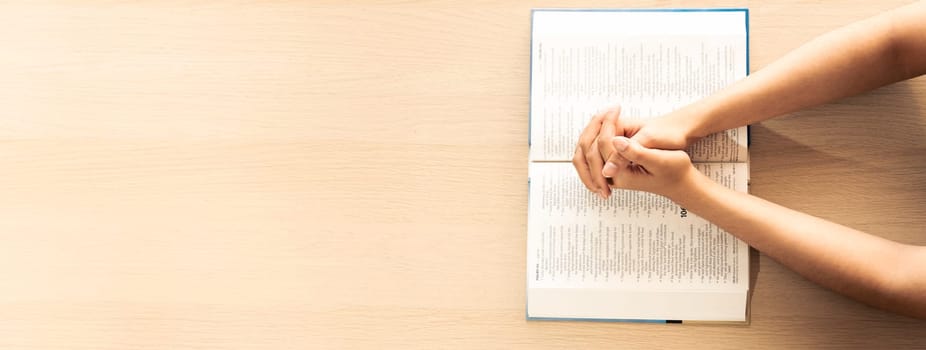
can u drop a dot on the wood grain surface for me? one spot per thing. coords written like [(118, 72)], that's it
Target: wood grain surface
[(329, 174)]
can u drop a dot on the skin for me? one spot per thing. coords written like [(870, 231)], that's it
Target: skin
[(645, 155)]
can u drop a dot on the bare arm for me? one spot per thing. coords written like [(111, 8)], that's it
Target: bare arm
[(868, 268), (854, 59), (860, 57), (863, 56)]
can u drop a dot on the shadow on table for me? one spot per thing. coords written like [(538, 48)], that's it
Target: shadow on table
[(860, 162)]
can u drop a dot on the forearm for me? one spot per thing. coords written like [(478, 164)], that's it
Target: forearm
[(850, 60), (868, 268)]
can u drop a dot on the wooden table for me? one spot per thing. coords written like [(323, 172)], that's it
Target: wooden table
[(241, 175)]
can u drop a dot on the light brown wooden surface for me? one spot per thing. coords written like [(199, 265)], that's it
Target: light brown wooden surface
[(247, 175)]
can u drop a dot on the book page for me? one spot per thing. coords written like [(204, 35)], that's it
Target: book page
[(650, 69), (635, 255), (632, 240)]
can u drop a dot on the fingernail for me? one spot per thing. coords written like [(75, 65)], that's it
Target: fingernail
[(603, 193), (609, 169), (621, 143)]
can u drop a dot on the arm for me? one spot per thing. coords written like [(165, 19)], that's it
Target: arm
[(871, 269), (866, 55), (868, 268), (863, 56)]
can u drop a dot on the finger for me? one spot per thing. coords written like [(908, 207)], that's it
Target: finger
[(647, 160), (614, 164), (618, 159), (579, 161), (634, 160), (632, 151), (595, 163), (632, 128), (581, 165), (590, 133), (608, 126)]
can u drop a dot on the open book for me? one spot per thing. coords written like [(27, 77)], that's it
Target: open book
[(635, 256)]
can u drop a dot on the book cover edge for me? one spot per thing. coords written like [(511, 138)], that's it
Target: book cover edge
[(745, 11)]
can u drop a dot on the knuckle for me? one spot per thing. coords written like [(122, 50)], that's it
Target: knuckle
[(588, 159), (578, 160)]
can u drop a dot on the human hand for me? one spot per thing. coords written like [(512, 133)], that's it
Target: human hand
[(667, 132), (587, 159), (665, 172), (595, 146)]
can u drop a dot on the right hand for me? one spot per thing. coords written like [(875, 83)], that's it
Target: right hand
[(663, 172), (595, 148), (665, 132)]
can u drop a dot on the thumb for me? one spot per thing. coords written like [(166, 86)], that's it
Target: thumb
[(632, 151)]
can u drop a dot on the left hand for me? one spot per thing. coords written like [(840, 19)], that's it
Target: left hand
[(595, 148)]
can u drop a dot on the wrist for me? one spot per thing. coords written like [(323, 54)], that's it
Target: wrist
[(693, 119), (690, 188)]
